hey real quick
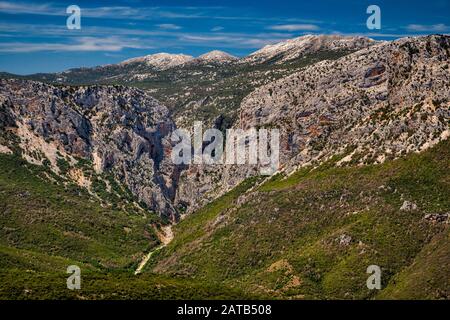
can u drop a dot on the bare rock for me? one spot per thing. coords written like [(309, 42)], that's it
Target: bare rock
[(122, 131), (408, 206), (344, 240), (438, 217)]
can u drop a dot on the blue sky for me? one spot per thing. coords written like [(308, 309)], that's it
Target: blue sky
[(34, 37)]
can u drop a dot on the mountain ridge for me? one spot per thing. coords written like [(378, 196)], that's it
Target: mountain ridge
[(160, 61), (290, 49), (217, 55)]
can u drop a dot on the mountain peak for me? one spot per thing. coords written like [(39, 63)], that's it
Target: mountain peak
[(296, 47), (217, 55), (162, 60)]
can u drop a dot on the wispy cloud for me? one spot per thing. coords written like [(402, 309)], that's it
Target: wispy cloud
[(111, 44), (168, 26), (233, 40), (111, 12), (145, 27), (440, 27), (28, 8), (294, 27), (139, 13), (57, 38)]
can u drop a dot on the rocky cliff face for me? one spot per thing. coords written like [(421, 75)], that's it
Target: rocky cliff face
[(377, 103), (118, 131)]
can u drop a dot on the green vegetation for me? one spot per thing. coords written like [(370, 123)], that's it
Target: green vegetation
[(46, 217), (192, 228), (309, 235), (47, 225), (22, 284), (63, 165), (313, 234)]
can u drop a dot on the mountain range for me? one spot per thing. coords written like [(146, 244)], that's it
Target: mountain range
[(211, 86)]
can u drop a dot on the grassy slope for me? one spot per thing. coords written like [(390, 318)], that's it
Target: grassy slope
[(26, 284), (282, 242), (45, 227), (285, 239), (42, 216), (428, 275)]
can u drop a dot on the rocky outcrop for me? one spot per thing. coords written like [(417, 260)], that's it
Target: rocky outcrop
[(438, 217), (119, 130), (408, 206)]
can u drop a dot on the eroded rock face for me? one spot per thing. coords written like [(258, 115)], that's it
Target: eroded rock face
[(377, 103), (120, 130)]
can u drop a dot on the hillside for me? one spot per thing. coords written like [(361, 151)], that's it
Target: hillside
[(382, 101), (313, 234), (47, 226), (42, 214)]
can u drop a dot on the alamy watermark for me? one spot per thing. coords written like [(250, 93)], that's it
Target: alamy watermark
[(74, 280), (374, 280), (253, 147), (374, 20), (74, 20)]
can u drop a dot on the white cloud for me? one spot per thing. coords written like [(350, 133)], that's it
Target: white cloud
[(113, 12), (111, 44), (58, 38), (294, 27), (29, 8), (233, 40), (139, 13), (428, 28), (168, 26)]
